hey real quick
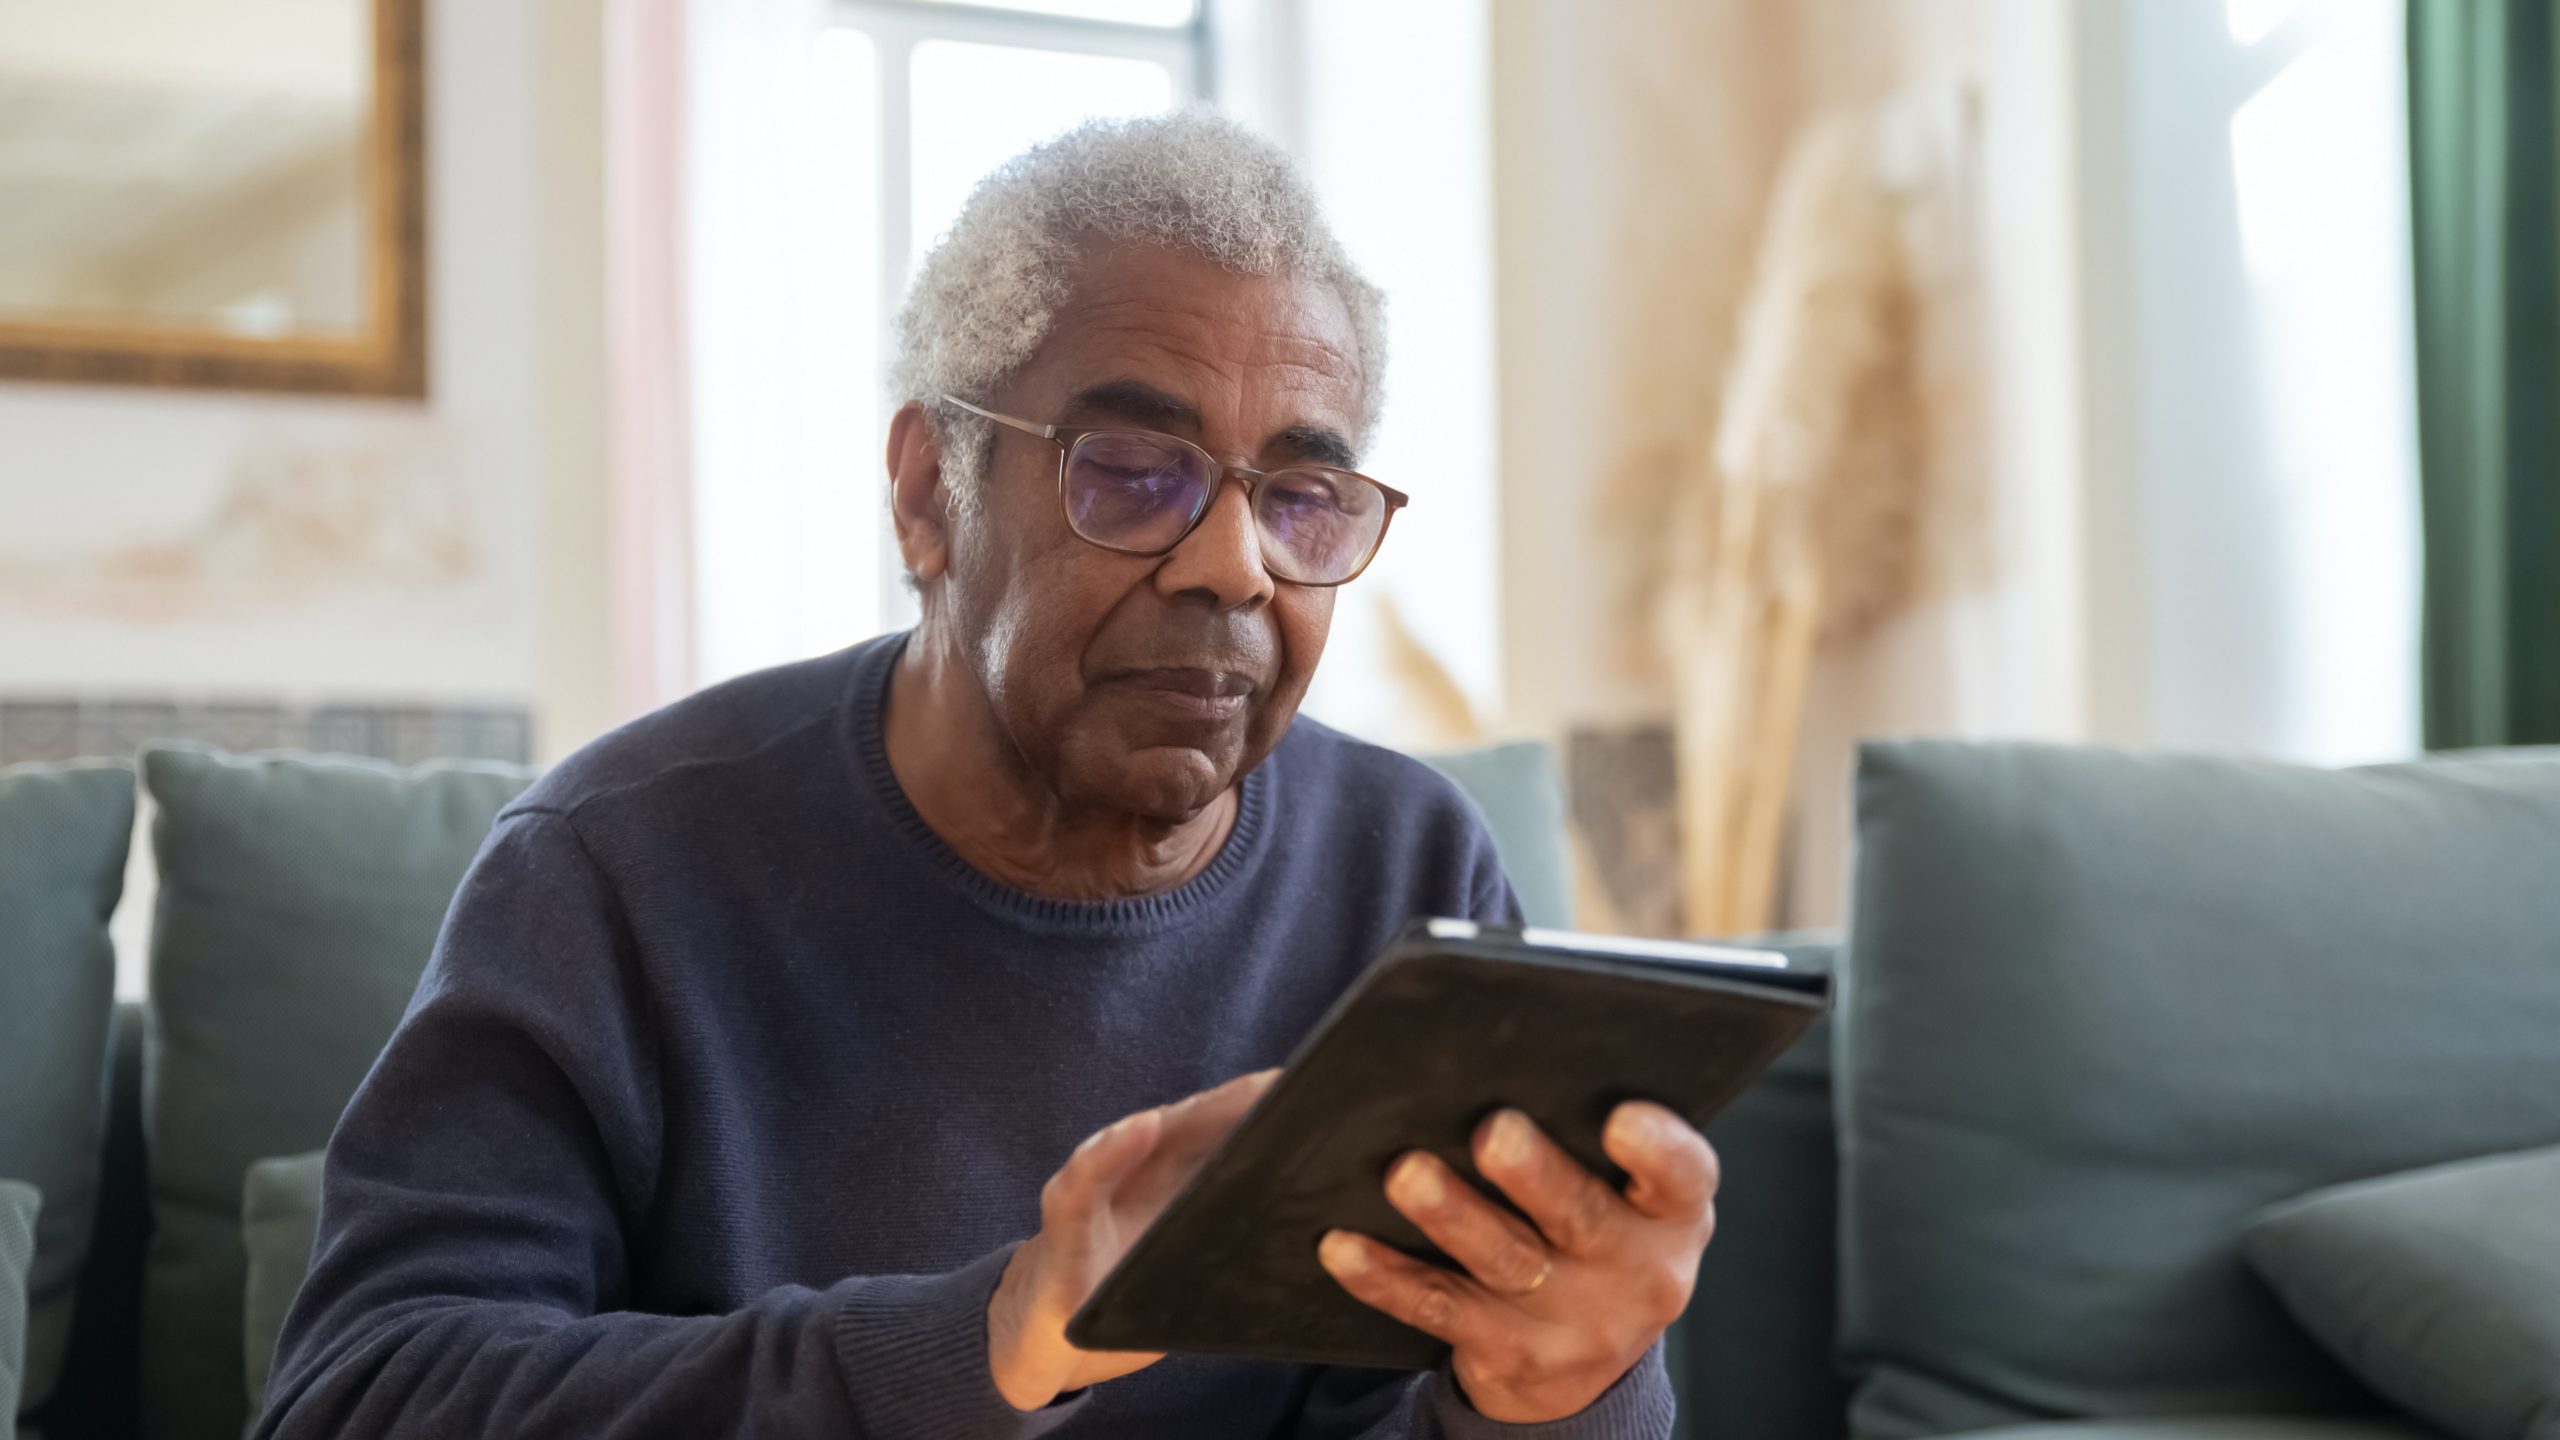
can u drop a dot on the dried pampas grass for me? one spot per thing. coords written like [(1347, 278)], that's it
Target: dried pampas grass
[(1802, 521)]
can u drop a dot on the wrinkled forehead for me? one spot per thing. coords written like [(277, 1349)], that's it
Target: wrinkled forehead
[(1229, 353)]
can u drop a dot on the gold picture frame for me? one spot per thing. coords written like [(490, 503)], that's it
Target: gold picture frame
[(389, 358)]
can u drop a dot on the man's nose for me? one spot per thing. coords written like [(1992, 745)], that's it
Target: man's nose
[(1221, 559)]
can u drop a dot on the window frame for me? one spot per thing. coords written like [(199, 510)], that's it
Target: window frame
[(757, 584), (897, 27)]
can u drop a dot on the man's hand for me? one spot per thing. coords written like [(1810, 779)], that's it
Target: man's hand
[(1545, 1317), (1090, 1212)]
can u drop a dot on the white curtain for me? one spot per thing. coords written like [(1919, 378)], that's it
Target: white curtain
[(783, 308)]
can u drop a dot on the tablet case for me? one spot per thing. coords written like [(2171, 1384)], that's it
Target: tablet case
[(1455, 1021)]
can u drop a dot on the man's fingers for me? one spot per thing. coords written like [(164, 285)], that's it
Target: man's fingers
[(1106, 1158), (1201, 1121), (1573, 1208), (1139, 1180), (1497, 1247), (1672, 1171), (1434, 1301)]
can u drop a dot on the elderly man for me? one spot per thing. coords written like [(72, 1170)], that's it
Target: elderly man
[(797, 1059)]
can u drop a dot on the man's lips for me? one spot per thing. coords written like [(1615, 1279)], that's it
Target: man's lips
[(1199, 691), (1193, 680)]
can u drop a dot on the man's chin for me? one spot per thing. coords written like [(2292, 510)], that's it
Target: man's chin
[(1164, 782)]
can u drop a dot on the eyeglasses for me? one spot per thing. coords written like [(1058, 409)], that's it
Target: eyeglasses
[(1141, 493)]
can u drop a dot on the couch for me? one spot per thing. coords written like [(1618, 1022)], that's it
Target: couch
[(2103, 1015)]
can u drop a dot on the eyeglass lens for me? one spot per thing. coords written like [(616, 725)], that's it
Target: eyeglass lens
[(1139, 493)]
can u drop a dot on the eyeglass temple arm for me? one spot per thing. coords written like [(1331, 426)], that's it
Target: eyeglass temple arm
[(1045, 432)]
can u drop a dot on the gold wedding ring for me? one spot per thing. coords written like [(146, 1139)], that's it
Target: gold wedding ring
[(1545, 1269)]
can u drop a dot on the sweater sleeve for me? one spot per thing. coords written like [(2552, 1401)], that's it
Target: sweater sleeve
[(1376, 1405), (473, 1271), (1494, 902)]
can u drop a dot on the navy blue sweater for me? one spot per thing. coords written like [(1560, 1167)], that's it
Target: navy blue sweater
[(730, 1088)]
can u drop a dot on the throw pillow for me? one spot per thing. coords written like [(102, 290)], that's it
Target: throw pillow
[(65, 831), (279, 1218), (19, 1204), (2104, 1007), (299, 899), (2440, 1287), (1515, 788)]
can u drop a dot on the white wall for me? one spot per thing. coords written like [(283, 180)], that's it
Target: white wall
[(514, 428), (2170, 452), (1390, 110), (1995, 645), (1403, 155), (1560, 178), (512, 431), (1634, 165)]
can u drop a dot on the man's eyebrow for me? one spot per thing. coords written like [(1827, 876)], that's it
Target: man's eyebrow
[(1138, 403), (1311, 445)]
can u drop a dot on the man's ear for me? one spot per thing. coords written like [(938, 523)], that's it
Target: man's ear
[(917, 504)]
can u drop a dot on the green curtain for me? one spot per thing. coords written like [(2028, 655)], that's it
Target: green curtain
[(2483, 173)]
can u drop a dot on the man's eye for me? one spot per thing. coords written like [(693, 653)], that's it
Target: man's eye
[(1311, 498), (1150, 479)]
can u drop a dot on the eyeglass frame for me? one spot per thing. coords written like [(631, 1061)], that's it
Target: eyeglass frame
[(1066, 437)]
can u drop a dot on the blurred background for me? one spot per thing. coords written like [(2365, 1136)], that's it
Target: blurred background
[(463, 377), (454, 380)]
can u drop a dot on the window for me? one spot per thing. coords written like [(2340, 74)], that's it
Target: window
[(833, 140), (2320, 175), (833, 143), (2250, 407)]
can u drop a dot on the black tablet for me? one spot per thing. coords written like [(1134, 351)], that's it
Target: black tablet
[(1454, 1022)]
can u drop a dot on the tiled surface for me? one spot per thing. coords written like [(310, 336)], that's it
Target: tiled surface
[(37, 728)]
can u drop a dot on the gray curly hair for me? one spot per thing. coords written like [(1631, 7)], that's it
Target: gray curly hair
[(1191, 180)]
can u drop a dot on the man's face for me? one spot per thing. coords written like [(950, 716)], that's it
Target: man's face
[(1147, 684)]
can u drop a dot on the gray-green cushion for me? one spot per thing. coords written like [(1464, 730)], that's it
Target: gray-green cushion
[(1516, 789), (1754, 1359), (299, 898), (279, 1216), (2104, 1007), (20, 1204), (65, 831), (2440, 1287), (2212, 1427)]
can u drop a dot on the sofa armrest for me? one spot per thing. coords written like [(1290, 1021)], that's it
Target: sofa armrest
[(19, 1203), (1756, 1358)]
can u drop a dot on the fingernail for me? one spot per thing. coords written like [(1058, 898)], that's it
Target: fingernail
[(1342, 1253), (1508, 1143), (1633, 1127), (1415, 1182)]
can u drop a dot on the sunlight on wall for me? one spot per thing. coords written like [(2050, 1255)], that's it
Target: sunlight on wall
[(2319, 166), (785, 317), (1127, 12), (840, 554), (978, 106), (1401, 155), (2252, 20), (2253, 511), (832, 142)]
